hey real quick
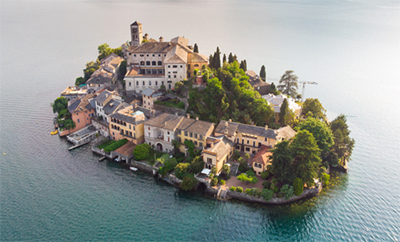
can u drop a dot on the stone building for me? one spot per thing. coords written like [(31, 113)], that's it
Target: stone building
[(153, 64), (127, 124)]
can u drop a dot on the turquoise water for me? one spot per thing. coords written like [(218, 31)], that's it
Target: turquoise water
[(51, 194)]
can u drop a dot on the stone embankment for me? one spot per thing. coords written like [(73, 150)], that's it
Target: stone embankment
[(274, 201)]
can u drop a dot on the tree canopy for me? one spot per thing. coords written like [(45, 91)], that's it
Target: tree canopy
[(197, 164), (343, 144), (321, 132), (195, 48), (313, 107), (288, 84), (263, 73), (230, 96), (61, 103)]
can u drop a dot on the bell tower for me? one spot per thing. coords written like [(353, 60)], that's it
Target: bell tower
[(136, 34)]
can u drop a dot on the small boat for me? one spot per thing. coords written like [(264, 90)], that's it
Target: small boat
[(133, 168), (54, 132)]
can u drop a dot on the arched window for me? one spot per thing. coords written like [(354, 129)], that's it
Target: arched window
[(142, 63), (160, 63), (196, 65), (147, 63), (153, 63)]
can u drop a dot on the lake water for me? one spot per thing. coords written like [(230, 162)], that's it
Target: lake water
[(351, 48)]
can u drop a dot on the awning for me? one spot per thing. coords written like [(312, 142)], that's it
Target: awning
[(206, 171)]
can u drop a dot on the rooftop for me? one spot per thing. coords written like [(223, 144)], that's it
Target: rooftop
[(230, 128), (195, 126), (262, 156), (165, 121)]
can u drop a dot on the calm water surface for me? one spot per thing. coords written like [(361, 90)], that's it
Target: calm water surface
[(352, 48)]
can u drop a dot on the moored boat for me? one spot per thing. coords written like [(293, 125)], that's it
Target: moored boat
[(54, 132), (133, 168)]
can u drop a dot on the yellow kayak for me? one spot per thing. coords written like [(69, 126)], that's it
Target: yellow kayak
[(54, 132)]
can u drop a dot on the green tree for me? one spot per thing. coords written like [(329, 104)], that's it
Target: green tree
[(282, 160), (141, 152), (214, 170), (181, 169), (79, 81), (325, 178), (298, 186), (226, 169), (197, 164), (178, 87), (306, 156), (196, 48), (214, 181), (188, 183), (104, 51), (176, 144), (239, 189), (91, 67), (69, 124), (217, 59), (284, 113), (224, 59), (343, 144), (313, 106), (288, 84), (230, 58), (263, 73), (287, 191), (321, 132), (61, 103), (122, 70), (272, 89)]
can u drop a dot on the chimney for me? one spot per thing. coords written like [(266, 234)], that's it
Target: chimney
[(165, 123), (161, 39), (146, 36), (188, 115), (197, 118), (226, 124), (212, 144), (230, 120), (266, 127)]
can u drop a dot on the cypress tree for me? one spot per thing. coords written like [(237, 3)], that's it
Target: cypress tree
[(245, 65), (234, 58), (211, 61), (217, 59), (196, 48), (263, 74), (241, 65), (284, 112), (224, 59), (230, 58)]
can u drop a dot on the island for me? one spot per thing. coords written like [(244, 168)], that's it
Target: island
[(196, 121)]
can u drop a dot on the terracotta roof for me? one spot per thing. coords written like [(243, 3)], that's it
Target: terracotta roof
[(126, 149), (196, 57), (165, 121), (261, 156), (82, 104), (154, 47)]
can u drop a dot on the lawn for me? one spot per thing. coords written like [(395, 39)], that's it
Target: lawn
[(112, 145), (150, 158), (179, 105)]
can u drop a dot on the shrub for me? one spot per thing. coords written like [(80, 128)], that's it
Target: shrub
[(214, 181), (181, 105), (276, 188), (141, 152), (232, 189), (250, 173), (266, 184), (244, 178), (325, 178), (249, 191), (280, 195), (298, 186), (197, 164), (222, 182), (211, 176), (188, 183), (168, 166), (181, 169), (287, 191), (264, 175), (239, 189), (214, 170), (256, 192), (267, 194), (274, 181)]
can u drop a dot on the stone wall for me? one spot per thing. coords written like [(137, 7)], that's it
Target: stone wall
[(142, 166), (276, 201)]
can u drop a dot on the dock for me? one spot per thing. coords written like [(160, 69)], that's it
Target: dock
[(102, 158), (78, 145)]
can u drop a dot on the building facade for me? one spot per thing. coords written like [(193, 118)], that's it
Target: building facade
[(127, 124)]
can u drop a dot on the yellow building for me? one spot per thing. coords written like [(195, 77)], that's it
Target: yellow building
[(249, 138), (260, 161), (219, 151), (127, 124), (194, 130)]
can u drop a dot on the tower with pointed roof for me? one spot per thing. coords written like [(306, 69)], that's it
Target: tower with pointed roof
[(136, 34)]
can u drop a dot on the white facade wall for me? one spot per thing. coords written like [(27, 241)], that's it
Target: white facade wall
[(140, 83), (155, 136), (174, 73), (142, 58)]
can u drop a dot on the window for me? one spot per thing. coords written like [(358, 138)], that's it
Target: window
[(137, 83), (129, 126), (259, 144), (159, 63), (133, 55), (159, 55), (148, 128), (130, 84), (168, 132), (153, 63), (78, 120), (143, 83), (266, 139), (181, 66), (154, 55), (254, 144), (247, 149), (174, 76), (200, 144), (147, 55), (191, 135), (195, 136), (169, 76), (200, 136), (209, 160), (186, 133), (174, 66), (149, 83), (237, 140), (133, 127), (247, 141), (168, 65), (147, 63), (179, 139), (195, 143), (156, 83)]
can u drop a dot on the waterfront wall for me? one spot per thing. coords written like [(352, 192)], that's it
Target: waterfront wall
[(142, 166)]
